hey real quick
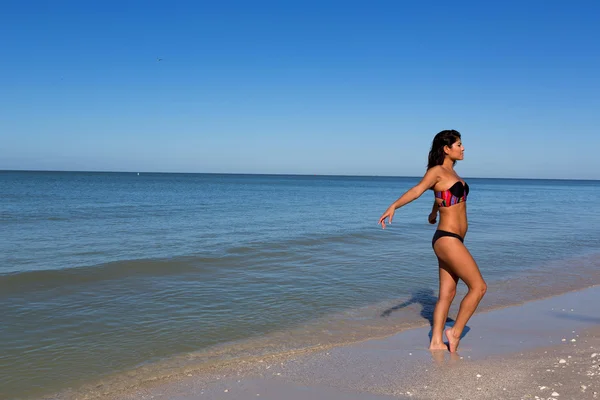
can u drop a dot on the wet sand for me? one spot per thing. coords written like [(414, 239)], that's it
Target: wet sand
[(545, 349)]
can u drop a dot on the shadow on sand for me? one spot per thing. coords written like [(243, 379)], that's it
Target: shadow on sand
[(427, 299), (577, 317)]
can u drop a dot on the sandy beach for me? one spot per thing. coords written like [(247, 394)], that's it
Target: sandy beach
[(544, 349)]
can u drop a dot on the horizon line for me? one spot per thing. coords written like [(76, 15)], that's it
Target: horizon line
[(281, 174)]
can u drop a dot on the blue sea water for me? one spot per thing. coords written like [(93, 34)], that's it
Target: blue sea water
[(102, 274)]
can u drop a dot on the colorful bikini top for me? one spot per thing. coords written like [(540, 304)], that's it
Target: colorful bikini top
[(456, 194)]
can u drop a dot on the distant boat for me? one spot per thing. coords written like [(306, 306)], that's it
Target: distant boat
[(138, 173)]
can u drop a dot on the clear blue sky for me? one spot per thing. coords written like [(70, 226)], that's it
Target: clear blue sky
[(305, 87)]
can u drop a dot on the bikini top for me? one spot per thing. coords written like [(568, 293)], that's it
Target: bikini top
[(456, 194)]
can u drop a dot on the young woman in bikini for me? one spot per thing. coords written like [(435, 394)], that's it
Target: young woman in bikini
[(455, 261)]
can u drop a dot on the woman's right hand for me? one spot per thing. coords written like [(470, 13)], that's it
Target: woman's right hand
[(432, 218), (389, 214)]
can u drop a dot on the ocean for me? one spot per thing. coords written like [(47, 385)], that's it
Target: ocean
[(110, 280)]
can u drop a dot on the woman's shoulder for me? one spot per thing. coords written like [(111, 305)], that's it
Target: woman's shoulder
[(434, 175), (441, 175), (438, 171)]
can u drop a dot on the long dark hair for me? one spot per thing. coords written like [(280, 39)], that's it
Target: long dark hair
[(444, 138)]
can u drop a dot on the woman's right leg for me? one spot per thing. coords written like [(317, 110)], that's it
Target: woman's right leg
[(448, 281), (453, 253)]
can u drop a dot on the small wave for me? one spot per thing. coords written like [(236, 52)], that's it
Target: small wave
[(21, 282), (303, 241), (258, 253)]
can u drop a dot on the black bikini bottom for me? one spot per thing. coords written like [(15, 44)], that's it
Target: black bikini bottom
[(438, 234)]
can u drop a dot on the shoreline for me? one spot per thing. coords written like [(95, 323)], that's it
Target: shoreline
[(345, 328), (498, 353), (522, 335)]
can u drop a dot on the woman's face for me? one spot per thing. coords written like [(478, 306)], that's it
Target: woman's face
[(456, 151)]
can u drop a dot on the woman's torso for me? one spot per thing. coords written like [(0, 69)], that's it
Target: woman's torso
[(452, 203)]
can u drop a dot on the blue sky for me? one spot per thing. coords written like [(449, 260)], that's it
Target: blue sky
[(312, 87)]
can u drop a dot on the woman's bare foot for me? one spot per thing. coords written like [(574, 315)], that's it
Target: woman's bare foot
[(452, 340), (437, 346)]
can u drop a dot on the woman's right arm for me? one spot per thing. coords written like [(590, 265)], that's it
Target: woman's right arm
[(429, 180), (434, 210)]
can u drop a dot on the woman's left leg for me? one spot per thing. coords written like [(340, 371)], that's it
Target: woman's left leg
[(448, 281)]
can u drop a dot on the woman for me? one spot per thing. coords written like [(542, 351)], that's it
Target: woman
[(455, 261)]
